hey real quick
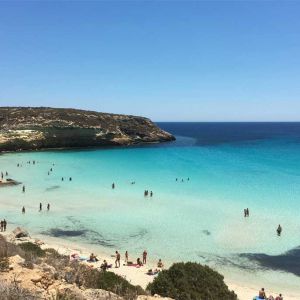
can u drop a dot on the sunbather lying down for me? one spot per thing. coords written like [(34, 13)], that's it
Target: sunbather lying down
[(153, 272)]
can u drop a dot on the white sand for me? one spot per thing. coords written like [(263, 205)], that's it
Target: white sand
[(138, 276)]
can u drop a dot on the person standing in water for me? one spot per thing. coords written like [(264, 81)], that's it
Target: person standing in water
[(4, 225), (151, 194), (48, 207), (279, 230), (23, 210), (23, 189), (70, 179), (40, 206), (62, 179), (113, 185)]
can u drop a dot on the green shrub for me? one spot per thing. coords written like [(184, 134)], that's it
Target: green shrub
[(191, 281), (109, 281), (33, 249)]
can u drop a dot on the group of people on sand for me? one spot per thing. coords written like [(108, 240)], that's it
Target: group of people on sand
[(3, 225), (139, 262), (262, 295)]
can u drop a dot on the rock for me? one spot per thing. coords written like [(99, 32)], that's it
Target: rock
[(98, 294), (25, 128), (155, 297), (20, 232)]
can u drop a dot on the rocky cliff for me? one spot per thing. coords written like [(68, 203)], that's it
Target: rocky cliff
[(27, 128)]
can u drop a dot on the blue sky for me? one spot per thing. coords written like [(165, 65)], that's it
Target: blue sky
[(170, 61)]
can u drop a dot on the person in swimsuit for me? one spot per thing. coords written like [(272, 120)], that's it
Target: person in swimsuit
[(118, 258), (262, 294)]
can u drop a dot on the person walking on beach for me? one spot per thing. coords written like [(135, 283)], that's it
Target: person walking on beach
[(279, 230), (48, 207), (145, 257), (23, 210), (4, 225), (126, 257), (118, 258), (40, 207)]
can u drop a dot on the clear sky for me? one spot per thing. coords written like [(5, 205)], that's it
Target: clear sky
[(170, 61)]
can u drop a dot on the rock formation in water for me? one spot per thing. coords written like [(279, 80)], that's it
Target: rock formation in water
[(28, 128)]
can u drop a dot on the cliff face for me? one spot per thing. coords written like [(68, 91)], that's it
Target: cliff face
[(41, 128)]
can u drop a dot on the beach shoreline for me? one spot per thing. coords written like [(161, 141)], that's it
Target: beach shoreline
[(138, 276)]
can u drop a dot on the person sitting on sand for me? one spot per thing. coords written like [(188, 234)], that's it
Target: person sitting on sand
[(93, 258), (279, 297), (138, 262), (104, 265), (160, 264), (262, 294)]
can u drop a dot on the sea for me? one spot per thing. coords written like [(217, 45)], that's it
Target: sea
[(201, 184)]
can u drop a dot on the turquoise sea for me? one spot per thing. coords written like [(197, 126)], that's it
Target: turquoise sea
[(230, 166)]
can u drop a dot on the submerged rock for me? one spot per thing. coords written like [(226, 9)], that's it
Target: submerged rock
[(41, 128)]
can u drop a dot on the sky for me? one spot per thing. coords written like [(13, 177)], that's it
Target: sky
[(166, 60)]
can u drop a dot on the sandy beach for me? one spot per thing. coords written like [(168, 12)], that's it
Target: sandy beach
[(138, 276)]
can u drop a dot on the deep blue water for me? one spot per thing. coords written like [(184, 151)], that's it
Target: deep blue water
[(233, 132)]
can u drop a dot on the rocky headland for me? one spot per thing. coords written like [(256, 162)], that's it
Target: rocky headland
[(35, 128)]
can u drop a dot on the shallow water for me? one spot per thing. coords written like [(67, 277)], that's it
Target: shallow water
[(198, 219)]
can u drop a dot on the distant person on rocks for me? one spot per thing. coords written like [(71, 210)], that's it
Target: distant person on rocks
[(279, 230), (4, 225), (145, 257), (262, 294), (23, 210), (118, 259)]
